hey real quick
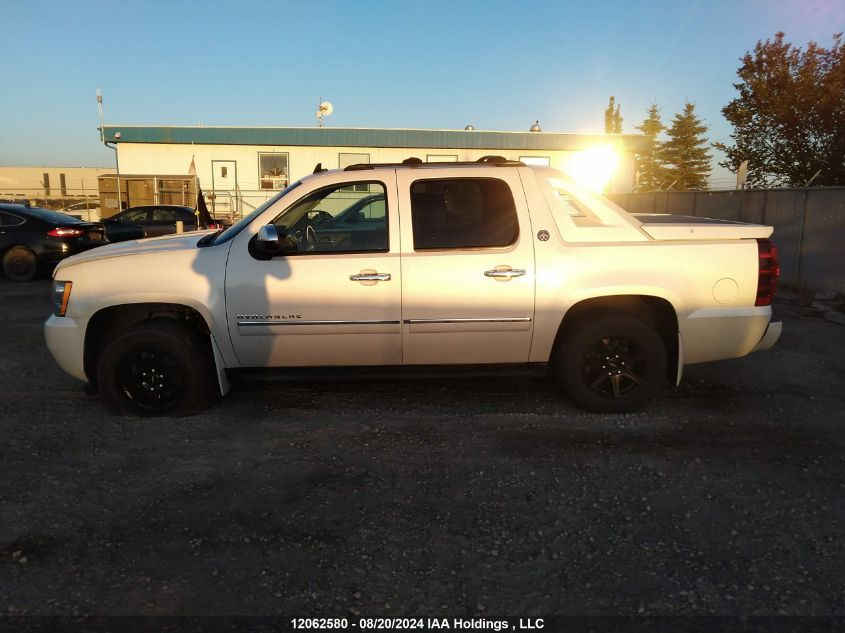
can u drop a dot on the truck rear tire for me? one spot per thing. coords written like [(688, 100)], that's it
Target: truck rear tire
[(156, 368), (613, 363)]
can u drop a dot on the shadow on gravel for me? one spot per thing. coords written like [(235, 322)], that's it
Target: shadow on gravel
[(31, 547), (699, 439)]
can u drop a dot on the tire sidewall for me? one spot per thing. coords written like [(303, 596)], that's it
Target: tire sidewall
[(183, 346), (586, 335)]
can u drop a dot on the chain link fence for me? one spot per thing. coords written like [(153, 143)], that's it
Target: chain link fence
[(809, 224), (81, 203)]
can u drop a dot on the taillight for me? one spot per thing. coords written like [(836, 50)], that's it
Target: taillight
[(61, 231), (214, 225), (769, 272)]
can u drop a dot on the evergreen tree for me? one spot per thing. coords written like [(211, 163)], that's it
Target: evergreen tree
[(651, 174), (612, 118), (685, 152), (608, 116)]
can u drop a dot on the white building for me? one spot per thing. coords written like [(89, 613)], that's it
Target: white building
[(240, 167), (50, 183)]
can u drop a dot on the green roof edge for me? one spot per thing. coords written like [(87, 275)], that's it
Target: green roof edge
[(366, 137)]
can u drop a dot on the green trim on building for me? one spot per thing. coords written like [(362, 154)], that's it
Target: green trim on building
[(364, 137)]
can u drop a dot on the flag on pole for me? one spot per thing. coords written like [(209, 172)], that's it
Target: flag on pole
[(203, 215)]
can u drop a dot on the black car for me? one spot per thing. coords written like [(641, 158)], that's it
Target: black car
[(34, 239), (136, 223)]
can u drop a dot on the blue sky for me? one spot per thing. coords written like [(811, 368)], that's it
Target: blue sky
[(498, 65)]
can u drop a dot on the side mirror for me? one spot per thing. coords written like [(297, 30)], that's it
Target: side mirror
[(267, 240)]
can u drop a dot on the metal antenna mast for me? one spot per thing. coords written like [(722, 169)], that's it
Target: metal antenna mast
[(114, 147)]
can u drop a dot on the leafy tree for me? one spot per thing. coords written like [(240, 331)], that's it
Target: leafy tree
[(612, 118), (789, 117), (685, 152), (651, 174)]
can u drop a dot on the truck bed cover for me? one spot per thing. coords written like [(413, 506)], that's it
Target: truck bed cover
[(684, 227)]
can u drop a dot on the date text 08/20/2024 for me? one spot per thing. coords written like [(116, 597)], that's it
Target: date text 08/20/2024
[(418, 624)]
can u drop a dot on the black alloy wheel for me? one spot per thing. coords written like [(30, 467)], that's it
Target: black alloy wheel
[(613, 363), (158, 367), (152, 380)]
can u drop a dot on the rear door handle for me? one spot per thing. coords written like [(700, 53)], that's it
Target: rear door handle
[(504, 274), (370, 277)]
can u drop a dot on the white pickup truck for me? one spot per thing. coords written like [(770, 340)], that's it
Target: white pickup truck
[(487, 265)]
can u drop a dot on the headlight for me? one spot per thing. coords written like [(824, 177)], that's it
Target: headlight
[(61, 295)]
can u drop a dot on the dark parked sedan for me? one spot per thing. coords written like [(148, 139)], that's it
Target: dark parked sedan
[(32, 239), (154, 220)]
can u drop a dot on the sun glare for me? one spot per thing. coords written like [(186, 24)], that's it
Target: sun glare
[(593, 168)]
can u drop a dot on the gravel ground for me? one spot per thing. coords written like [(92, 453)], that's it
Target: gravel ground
[(427, 498)]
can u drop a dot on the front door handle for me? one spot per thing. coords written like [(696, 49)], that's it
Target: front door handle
[(504, 274), (370, 277)]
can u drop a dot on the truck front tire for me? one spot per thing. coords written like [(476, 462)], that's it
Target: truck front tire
[(613, 363), (156, 368)]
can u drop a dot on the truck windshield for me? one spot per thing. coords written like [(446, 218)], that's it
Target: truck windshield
[(237, 227)]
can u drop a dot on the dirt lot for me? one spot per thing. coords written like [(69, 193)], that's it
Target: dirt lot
[(433, 498)]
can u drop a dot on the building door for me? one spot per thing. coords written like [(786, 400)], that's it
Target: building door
[(224, 185)]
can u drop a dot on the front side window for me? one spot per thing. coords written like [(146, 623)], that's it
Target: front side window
[(463, 213), (273, 171), (348, 217)]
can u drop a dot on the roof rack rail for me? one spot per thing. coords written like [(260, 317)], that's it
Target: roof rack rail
[(413, 161)]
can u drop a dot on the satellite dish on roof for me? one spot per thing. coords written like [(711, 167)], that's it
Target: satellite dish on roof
[(324, 109)]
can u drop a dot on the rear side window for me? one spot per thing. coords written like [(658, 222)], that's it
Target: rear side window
[(7, 219), (136, 215), (463, 213), (165, 215)]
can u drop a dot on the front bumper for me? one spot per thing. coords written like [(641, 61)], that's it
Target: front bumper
[(66, 342)]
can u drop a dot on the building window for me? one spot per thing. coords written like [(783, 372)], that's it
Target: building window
[(62, 184), (441, 158), (462, 213), (537, 161), (45, 182), (273, 171), (345, 159)]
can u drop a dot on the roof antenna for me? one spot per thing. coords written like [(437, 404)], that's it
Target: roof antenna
[(323, 109)]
